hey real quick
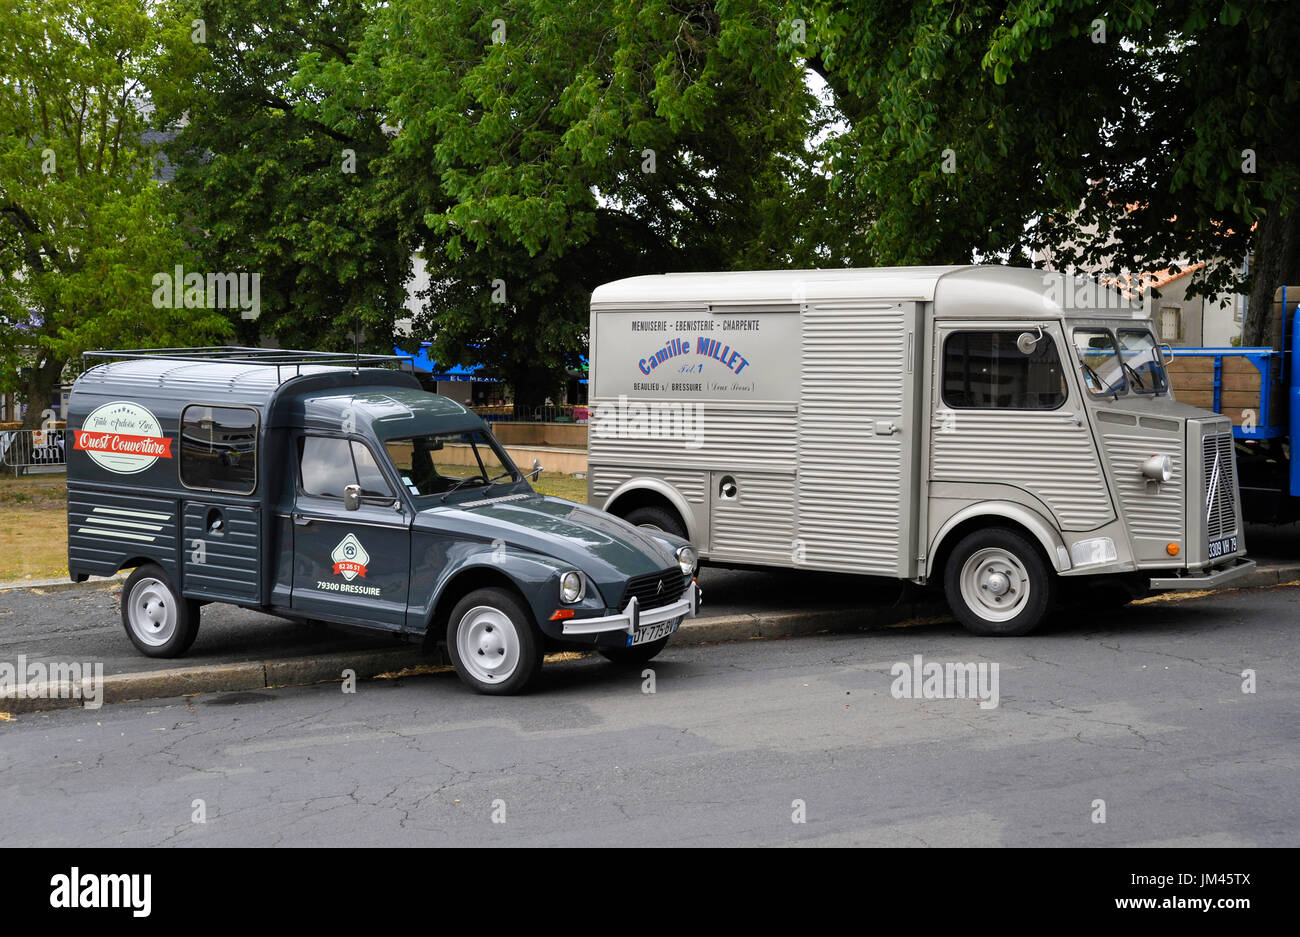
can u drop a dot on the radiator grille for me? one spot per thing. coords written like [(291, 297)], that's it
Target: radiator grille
[(1220, 466), (649, 594)]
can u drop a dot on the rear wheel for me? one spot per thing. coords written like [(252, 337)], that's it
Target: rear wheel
[(157, 620), (657, 518), (998, 583), (493, 644)]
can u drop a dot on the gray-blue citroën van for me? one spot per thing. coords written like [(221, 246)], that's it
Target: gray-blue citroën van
[(326, 487)]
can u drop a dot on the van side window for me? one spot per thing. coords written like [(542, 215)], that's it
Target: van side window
[(326, 467), (219, 449), (987, 371)]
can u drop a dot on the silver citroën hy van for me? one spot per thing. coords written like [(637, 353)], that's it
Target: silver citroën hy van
[(1007, 432)]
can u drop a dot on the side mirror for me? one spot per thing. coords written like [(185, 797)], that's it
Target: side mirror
[(537, 469), (1166, 353), (351, 497)]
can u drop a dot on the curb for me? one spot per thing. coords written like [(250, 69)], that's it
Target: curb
[(369, 665), (47, 586)]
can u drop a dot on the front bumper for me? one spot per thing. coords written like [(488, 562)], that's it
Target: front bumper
[(1207, 579), (632, 618)]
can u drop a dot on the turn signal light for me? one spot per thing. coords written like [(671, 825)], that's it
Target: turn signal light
[(561, 614), (1172, 549)]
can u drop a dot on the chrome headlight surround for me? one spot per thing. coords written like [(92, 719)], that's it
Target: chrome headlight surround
[(1158, 468), (573, 587), (687, 560)]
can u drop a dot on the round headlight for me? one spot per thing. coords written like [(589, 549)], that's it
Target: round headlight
[(1158, 468), (571, 586), (686, 559)]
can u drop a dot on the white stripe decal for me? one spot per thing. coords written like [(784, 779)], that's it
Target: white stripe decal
[(120, 523), (148, 515), (119, 534)]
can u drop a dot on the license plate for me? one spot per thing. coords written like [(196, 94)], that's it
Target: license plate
[(653, 632), (1225, 547)]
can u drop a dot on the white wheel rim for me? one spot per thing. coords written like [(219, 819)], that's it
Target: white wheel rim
[(487, 644), (151, 610), (994, 584)]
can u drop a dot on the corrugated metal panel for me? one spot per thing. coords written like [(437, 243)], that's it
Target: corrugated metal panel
[(605, 480), (107, 528), (717, 436), (1147, 513), (852, 484), (758, 524), (230, 559), (1047, 453)]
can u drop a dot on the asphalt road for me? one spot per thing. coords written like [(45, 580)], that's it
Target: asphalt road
[(1142, 709)]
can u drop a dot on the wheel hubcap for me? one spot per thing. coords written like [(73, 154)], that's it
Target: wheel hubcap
[(151, 610), (994, 584), (487, 644)]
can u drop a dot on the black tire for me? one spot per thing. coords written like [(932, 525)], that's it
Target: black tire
[(634, 656), (657, 518), (1031, 588), (158, 621), (495, 641)]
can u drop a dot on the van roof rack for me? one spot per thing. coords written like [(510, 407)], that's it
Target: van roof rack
[(246, 355), (239, 354)]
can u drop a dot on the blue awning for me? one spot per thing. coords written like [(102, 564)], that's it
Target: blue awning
[(436, 372)]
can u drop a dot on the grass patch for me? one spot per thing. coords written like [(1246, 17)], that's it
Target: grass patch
[(562, 486), (33, 528)]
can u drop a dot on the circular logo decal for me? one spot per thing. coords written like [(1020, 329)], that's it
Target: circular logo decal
[(123, 437)]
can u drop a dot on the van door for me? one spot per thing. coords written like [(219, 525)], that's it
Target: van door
[(348, 565), (858, 438)]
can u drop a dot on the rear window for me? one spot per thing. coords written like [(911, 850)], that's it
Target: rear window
[(987, 371), (219, 449)]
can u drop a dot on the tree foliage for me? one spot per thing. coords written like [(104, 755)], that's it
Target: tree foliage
[(84, 225)]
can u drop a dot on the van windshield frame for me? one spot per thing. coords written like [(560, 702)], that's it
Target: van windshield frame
[(1106, 361), (426, 477)]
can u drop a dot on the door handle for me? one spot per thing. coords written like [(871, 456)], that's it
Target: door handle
[(886, 428), (301, 520)]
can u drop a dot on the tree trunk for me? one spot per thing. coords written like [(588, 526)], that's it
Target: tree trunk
[(531, 386), (42, 379), (1276, 262)]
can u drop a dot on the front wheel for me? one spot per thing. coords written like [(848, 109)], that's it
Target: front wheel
[(658, 519), (493, 644), (634, 656), (998, 583), (157, 620)]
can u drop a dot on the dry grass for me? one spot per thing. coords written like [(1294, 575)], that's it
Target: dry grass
[(33, 528)]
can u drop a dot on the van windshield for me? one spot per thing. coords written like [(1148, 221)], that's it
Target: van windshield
[(1118, 362), (438, 463)]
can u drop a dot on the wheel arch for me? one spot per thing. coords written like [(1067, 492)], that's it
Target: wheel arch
[(652, 492), (461, 584), (996, 514)]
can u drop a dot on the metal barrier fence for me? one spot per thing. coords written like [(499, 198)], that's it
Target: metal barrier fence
[(31, 450), (548, 413)]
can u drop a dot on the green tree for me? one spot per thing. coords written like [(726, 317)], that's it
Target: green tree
[(1120, 137), (84, 225), (542, 147), (269, 188)]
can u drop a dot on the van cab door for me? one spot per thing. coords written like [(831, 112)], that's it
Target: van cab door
[(348, 565)]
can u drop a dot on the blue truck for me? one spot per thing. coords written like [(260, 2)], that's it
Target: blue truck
[(1257, 388)]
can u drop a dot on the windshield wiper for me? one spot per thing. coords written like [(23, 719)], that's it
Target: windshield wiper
[(464, 481)]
